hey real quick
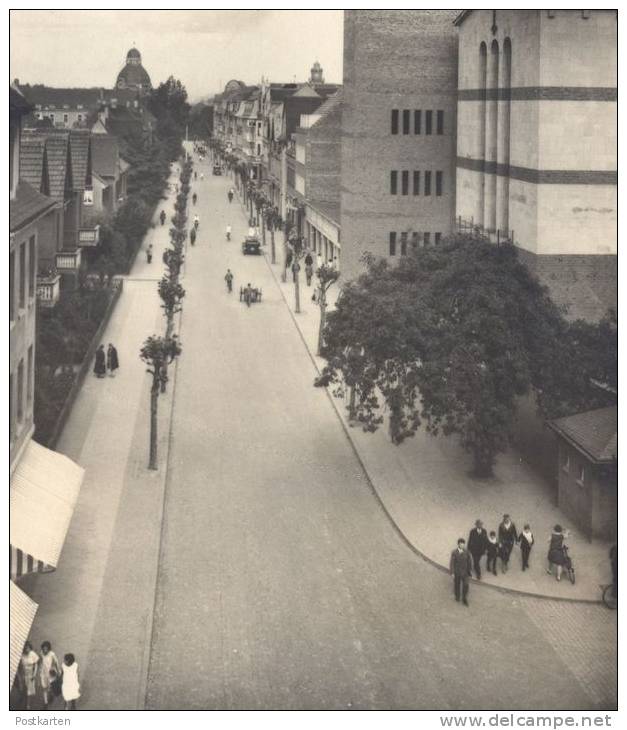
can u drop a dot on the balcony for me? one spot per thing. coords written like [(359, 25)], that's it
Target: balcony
[(68, 261), (470, 226), (48, 290), (89, 237)]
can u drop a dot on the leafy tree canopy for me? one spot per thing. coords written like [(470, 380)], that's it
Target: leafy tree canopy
[(451, 337)]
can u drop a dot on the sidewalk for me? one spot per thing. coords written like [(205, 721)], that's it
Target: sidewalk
[(425, 488), (98, 603)]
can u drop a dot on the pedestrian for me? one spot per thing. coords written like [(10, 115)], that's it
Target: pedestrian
[(70, 686), (29, 662), (248, 293), (230, 195), (308, 273), (229, 280), (194, 198), (196, 221), (477, 546), (49, 674), (195, 175), (308, 259), (113, 362), (492, 549), (526, 543), (318, 262), (192, 236), (149, 253), (202, 174), (556, 551), (461, 570), (100, 365), (508, 538), (162, 217)]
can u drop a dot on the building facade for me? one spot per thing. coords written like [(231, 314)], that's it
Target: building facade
[(133, 75), (398, 132), (536, 144)]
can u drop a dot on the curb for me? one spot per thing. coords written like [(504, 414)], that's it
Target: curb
[(408, 543)]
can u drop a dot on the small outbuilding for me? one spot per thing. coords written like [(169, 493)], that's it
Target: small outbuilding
[(588, 470)]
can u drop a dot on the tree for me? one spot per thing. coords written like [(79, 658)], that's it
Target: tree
[(327, 276), (273, 222), (157, 352), (452, 337)]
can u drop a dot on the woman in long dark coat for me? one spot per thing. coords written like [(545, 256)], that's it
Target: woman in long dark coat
[(112, 360), (556, 551), (100, 366)]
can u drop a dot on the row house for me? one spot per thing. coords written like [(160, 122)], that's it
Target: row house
[(44, 485), (58, 163), (109, 175), (69, 108), (317, 177)]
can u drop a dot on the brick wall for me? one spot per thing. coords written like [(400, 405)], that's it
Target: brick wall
[(401, 59), (323, 159)]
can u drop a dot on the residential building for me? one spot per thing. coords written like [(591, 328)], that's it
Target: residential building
[(110, 173), (44, 485), (588, 470), (59, 161), (399, 132), (537, 144), (317, 176), (70, 108)]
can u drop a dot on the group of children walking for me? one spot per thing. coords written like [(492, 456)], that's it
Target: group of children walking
[(499, 545), (55, 678)]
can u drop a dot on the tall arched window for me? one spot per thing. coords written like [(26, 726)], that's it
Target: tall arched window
[(491, 132), (505, 78), (481, 149)]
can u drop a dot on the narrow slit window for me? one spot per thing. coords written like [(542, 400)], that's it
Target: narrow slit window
[(405, 182), (428, 183), (416, 182), (393, 182), (394, 121), (428, 122), (417, 121), (405, 121), (427, 239), (439, 122), (393, 243), (438, 183)]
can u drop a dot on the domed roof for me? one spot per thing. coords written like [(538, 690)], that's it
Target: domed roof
[(133, 53), (133, 76)]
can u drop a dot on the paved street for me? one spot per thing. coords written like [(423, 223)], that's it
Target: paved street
[(281, 583)]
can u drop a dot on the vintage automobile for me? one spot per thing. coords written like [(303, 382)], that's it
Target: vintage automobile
[(217, 169), (251, 245)]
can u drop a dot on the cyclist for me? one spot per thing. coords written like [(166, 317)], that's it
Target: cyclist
[(229, 280)]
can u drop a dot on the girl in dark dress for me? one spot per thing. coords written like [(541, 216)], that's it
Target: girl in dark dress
[(100, 366), (492, 550)]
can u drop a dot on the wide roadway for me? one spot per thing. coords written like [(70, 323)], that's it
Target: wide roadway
[(282, 585)]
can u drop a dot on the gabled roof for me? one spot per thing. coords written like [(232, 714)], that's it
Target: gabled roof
[(329, 105), (59, 163), (80, 147), (17, 102), (306, 91), (105, 151), (33, 165), (27, 205), (593, 432), (47, 96)]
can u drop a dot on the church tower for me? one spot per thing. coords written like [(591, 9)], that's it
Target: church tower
[(316, 77)]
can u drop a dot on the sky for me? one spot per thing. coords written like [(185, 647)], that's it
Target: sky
[(202, 48)]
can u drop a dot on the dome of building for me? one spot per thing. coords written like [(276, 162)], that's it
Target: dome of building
[(134, 75)]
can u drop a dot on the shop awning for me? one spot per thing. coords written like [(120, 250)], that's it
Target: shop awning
[(43, 493), (22, 612)]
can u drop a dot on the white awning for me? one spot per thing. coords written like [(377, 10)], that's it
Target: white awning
[(43, 493), (22, 612)]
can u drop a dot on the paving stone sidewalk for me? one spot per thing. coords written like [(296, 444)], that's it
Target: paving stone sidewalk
[(425, 487), (98, 603)]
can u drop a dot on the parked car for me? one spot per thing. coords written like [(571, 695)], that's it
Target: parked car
[(251, 245)]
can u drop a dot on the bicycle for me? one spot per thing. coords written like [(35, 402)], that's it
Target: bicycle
[(609, 596)]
